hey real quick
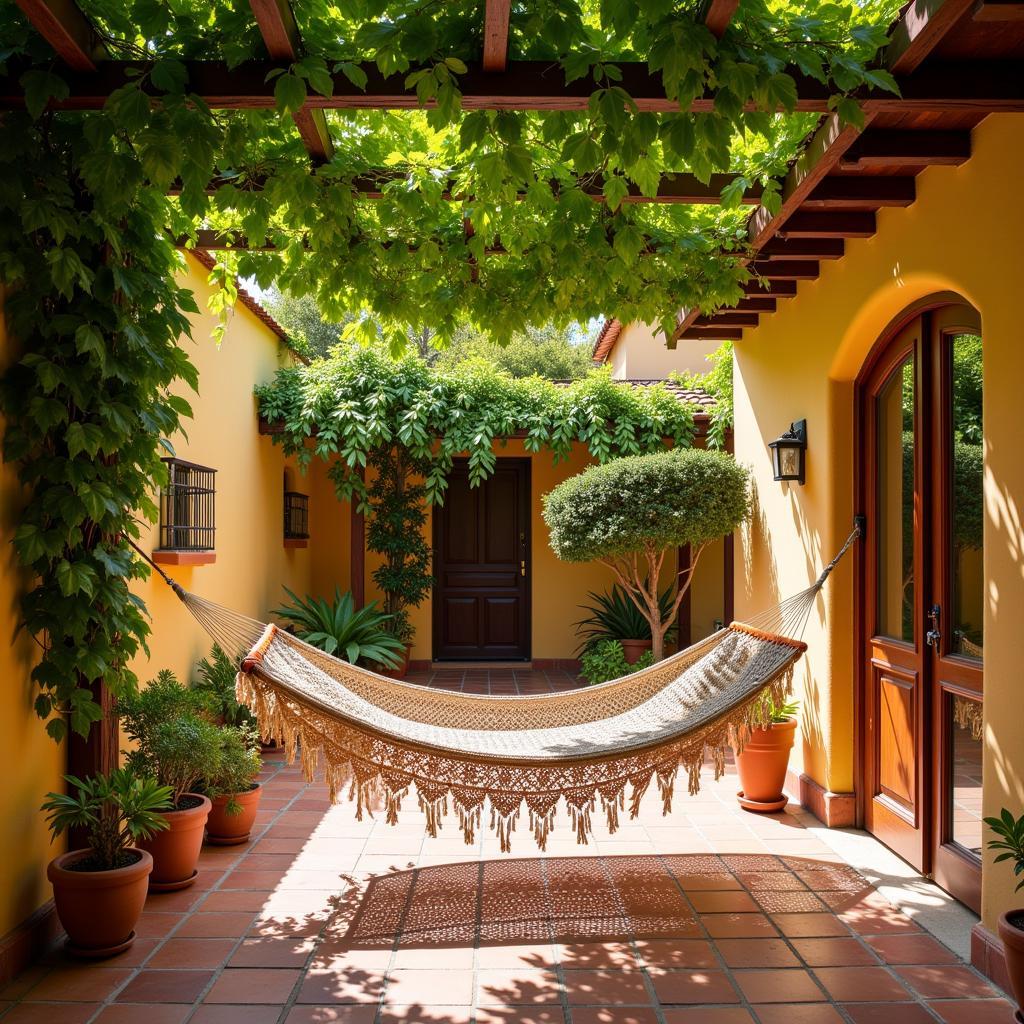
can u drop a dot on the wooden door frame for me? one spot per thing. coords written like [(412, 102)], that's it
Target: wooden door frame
[(435, 527)]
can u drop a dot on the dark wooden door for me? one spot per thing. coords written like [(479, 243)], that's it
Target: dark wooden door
[(922, 597), (482, 565)]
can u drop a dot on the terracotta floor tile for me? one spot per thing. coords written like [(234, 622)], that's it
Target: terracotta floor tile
[(272, 952), (535, 955), (614, 987), (722, 902), (341, 985), (799, 926), (136, 1013), (242, 985), (331, 1015), (213, 925), (51, 1013), (677, 952), (78, 983), (417, 1014), (227, 1013), (798, 1013), (707, 1015), (738, 926), (192, 952), (756, 953), (888, 1013), (457, 958), (701, 881), (165, 987), (861, 984), (517, 988), (911, 949), (427, 987), (156, 924), (613, 1015), (946, 982), (583, 955), (693, 987), (834, 952), (968, 1011), (174, 902), (529, 1015), (792, 985), (235, 902)]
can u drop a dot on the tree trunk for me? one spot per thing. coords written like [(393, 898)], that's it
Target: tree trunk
[(657, 643)]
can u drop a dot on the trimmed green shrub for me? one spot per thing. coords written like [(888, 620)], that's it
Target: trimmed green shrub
[(614, 616), (607, 660)]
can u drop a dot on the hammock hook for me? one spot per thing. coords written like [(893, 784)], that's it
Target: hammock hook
[(859, 528), (173, 584)]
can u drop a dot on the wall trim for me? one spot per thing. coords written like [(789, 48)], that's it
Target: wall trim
[(30, 940), (988, 957), (833, 810)]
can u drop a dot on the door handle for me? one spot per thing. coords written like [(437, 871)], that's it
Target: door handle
[(522, 568), (934, 635)]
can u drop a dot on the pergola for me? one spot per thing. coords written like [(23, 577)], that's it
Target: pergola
[(953, 61)]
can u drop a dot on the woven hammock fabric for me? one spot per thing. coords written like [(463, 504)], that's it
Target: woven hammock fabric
[(379, 737)]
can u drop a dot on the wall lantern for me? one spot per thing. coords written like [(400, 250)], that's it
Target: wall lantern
[(789, 452)]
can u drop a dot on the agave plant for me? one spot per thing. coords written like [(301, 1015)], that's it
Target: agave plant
[(614, 616), (339, 628)]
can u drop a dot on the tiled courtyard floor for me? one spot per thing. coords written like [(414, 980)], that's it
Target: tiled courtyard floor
[(709, 916)]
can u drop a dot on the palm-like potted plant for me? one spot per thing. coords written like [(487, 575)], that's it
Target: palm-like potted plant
[(232, 788), (615, 616), (215, 682), (99, 892), (764, 759), (1009, 841), (339, 628), (178, 746)]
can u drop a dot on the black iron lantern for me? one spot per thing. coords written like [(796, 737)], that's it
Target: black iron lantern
[(789, 453)]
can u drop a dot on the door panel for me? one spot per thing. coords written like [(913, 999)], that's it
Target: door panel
[(481, 565), (897, 716)]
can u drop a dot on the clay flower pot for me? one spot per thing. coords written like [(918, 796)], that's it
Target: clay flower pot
[(223, 829), (99, 909), (762, 767), (1011, 931), (176, 850), (633, 649), (403, 669)]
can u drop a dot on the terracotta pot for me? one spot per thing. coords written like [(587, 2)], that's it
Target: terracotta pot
[(762, 767), (223, 829), (99, 909), (403, 669), (1011, 931), (633, 649), (176, 850)]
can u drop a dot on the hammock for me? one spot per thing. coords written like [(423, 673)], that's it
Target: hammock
[(380, 737)]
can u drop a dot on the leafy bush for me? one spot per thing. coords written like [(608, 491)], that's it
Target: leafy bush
[(175, 743), (630, 513), (540, 352), (615, 616), (215, 680), (717, 382), (606, 660), (238, 766), (338, 628), (1009, 832), (116, 811)]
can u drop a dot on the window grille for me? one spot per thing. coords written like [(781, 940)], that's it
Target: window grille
[(296, 515), (187, 507)]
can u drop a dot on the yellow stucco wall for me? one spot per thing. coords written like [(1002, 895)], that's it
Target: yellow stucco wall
[(641, 353), (961, 235)]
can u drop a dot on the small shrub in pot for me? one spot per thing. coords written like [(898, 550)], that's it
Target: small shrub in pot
[(1009, 842), (764, 760), (233, 789)]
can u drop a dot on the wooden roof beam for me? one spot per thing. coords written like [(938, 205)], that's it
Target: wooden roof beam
[(990, 11), (815, 224), (276, 22), (67, 30), (881, 147), (717, 15), (727, 318), (496, 18), (802, 248), (753, 303), (771, 289), (785, 270), (921, 28), (863, 193)]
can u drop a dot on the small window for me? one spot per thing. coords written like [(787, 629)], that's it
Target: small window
[(296, 516), (187, 507)]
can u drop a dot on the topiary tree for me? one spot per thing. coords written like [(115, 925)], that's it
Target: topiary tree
[(628, 514)]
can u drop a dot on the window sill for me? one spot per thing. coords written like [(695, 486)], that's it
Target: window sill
[(168, 557), (296, 542)]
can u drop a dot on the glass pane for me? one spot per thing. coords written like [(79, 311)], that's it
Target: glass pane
[(965, 730), (895, 515), (966, 499)]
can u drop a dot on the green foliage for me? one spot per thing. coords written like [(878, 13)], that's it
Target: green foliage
[(779, 713), (215, 681), (337, 627), (967, 388), (116, 811), (237, 768), (606, 660), (717, 382), (301, 318), (547, 352), (615, 616), (659, 501), (174, 742), (1009, 833)]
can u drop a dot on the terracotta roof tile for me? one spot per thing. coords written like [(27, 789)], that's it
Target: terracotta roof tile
[(606, 338), (693, 396)]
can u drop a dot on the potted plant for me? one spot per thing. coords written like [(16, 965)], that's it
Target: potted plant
[(607, 660), (1009, 842), (215, 682), (764, 760), (177, 745), (232, 788), (99, 892), (615, 616), (402, 630)]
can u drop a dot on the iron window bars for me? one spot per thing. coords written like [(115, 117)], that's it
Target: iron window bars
[(187, 520), (296, 515)]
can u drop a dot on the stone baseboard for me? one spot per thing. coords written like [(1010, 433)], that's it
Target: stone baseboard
[(420, 665), (834, 810), (988, 957), (32, 939)]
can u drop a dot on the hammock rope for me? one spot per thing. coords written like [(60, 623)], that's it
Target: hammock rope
[(379, 737)]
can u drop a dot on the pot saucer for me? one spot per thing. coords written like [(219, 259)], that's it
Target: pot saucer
[(761, 807), (227, 840), (101, 953), (183, 883)]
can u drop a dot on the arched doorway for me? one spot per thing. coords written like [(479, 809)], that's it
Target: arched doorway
[(921, 593)]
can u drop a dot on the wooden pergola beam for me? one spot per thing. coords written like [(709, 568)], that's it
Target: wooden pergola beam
[(815, 224), (865, 193), (802, 248), (67, 30), (276, 22), (496, 18), (920, 30), (718, 14), (992, 11), (880, 147)]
